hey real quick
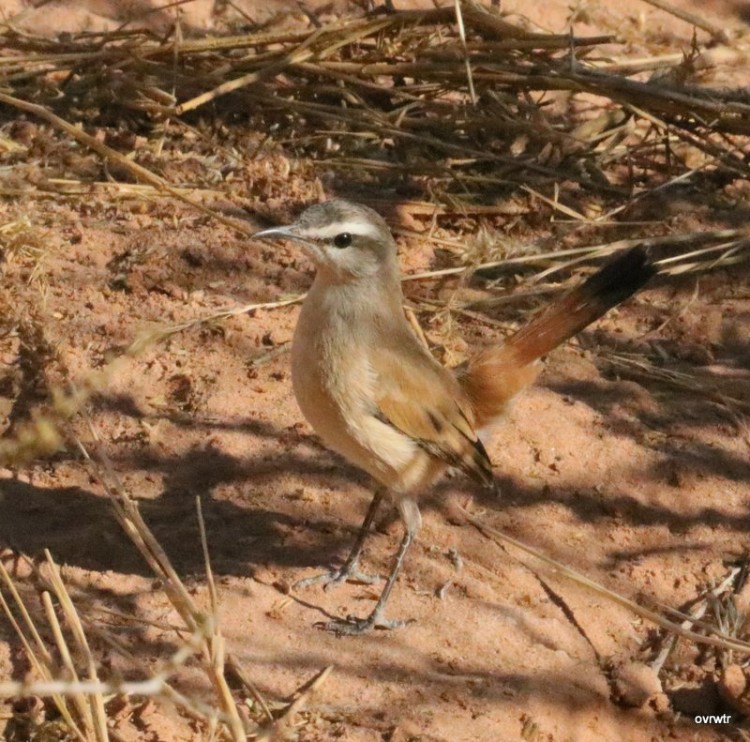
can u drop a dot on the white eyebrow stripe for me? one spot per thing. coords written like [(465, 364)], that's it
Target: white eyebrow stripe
[(360, 228)]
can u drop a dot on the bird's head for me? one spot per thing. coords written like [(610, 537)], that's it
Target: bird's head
[(347, 241)]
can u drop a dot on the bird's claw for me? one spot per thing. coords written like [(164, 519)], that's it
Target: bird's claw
[(353, 626), (351, 573)]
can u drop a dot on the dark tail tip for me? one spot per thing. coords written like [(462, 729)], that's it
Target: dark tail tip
[(622, 276)]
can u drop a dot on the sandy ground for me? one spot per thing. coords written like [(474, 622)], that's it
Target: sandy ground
[(640, 486)]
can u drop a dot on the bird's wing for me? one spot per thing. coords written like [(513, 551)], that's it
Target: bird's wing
[(420, 398)]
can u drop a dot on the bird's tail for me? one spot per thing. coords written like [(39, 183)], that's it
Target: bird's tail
[(494, 376)]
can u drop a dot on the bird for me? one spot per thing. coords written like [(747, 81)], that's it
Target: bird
[(377, 396)]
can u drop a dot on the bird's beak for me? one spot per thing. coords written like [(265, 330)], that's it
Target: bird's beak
[(288, 233), (275, 233)]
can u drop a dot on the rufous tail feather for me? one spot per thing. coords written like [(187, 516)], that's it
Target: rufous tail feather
[(495, 375)]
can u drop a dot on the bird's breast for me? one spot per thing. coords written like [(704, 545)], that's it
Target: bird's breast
[(335, 388)]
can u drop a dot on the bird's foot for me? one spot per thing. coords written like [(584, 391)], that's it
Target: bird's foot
[(353, 626), (347, 573)]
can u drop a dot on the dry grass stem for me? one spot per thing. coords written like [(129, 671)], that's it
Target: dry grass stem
[(717, 31), (398, 79), (111, 155), (300, 699), (696, 613), (36, 651), (714, 637), (196, 621)]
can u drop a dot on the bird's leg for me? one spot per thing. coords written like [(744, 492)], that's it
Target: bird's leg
[(353, 626), (350, 571)]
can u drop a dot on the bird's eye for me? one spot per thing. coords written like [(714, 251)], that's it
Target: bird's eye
[(342, 240)]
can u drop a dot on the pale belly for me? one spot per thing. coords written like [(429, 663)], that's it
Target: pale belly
[(334, 390)]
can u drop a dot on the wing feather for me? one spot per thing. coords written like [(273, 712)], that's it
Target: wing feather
[(420, 398)]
